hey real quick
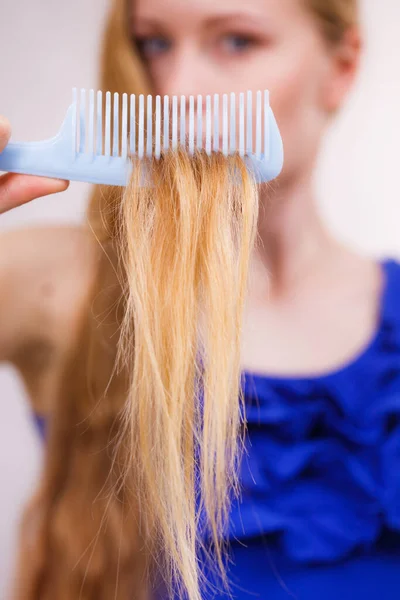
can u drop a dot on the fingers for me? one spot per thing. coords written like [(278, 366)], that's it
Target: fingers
[(5, 132), (19, 189), (16, 190)]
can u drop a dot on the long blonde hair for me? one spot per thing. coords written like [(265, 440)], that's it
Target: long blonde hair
[(186, 246), (143, 439), (143, 436)]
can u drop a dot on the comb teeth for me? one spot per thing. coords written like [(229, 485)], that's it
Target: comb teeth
[(118, 126), (101, 130)]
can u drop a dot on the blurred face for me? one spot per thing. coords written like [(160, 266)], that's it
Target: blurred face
[(221, 46)]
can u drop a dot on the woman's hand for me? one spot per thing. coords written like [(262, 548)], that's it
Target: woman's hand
[(17, 189)]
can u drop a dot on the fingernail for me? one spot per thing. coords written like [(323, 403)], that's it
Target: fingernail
[(5, 124)]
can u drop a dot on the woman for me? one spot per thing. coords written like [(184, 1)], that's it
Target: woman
[(319, 516)]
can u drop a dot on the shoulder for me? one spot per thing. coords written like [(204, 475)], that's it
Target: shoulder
[(36, 261), (44, 274), (23, 247)]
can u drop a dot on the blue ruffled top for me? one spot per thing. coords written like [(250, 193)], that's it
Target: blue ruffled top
[(319, 516)]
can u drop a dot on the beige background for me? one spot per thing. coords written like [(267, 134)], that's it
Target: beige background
[(49, 46)]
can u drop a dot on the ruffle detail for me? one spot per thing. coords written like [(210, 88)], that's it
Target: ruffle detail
[(321, 475)]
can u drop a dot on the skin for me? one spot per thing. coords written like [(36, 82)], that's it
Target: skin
[(312, 303), (19, 189)]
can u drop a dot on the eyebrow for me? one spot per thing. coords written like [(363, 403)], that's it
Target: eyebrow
[(238, 16)]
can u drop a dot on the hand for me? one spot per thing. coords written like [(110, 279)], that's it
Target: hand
[(18, 189)]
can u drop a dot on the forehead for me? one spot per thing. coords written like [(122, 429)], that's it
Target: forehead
[(202, 9)]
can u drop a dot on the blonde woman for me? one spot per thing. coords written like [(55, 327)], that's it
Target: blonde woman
[(318, 515)]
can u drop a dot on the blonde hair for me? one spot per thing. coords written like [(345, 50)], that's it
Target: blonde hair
[(122, 71), (144, 435), (185, 245), (335, 17)]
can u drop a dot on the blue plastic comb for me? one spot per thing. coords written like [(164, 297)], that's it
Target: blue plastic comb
[(97, 137)]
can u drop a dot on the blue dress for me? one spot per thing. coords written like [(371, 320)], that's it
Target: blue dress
[(319, 517)]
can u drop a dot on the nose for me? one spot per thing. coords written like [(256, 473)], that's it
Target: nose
[(188, 73)]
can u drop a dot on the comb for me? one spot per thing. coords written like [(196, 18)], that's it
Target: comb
[(102, 131)]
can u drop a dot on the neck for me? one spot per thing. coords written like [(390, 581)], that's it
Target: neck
[(291, 236)]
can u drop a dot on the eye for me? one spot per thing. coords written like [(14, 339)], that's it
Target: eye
[(236, 44), (151, 46)]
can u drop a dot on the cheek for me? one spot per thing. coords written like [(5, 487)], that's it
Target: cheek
[(295, 99)]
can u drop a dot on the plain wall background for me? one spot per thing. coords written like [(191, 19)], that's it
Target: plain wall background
[(49, 46)]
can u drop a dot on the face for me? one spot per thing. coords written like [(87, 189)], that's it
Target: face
[(208, 46)]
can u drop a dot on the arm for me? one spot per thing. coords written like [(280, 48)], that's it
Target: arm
[(46, 275), (11, 316), (25, 339)]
